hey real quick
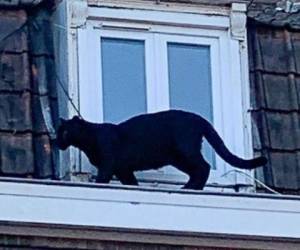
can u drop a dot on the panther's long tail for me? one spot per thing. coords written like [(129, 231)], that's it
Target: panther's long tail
[(217, 143)]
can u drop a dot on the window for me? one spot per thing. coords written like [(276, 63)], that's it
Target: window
[(128, 68), (123, 78)]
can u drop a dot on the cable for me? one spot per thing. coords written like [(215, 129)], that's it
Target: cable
[(58, 79), (13, 32), (253, 179), (249, 4), (67, 94)]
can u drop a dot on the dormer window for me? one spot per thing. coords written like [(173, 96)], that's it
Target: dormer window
[(133, 61)]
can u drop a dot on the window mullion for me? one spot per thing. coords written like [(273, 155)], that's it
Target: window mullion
[(161, 66), (151, 76)]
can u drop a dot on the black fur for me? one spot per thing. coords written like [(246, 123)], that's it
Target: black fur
[(149, 141)]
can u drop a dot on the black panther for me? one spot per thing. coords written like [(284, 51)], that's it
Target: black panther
[(149, 141)]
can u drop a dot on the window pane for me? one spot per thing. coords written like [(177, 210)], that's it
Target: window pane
[(190, 83), (123, 78)]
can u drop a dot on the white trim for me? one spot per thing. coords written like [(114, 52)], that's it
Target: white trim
[(79, 10), (199, 7), (90, 87), (161, 17), (238, 19), (247, 123), (179, 212), (73, 81)]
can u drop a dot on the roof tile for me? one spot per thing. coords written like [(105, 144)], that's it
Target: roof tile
[(16, 154), (44, 81), (281, 93), (260, 124), (38, 123), (11, 21), (42, 42), (257, 90), (16, 43), (284, 130), (14, 72), (296, 47), (284, 172), (267, 14), (15, 112), (273, 51), (265, 173), (43, 156)]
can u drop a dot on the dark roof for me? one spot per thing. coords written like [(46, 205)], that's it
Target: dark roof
[(18, 4), (266, 12), (15, 3), (274, 54), (25, 146)]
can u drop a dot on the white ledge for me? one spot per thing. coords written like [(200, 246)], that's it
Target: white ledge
[(133, 208)]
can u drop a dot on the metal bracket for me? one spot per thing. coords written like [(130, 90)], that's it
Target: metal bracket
[(78, 10), (238, 21)]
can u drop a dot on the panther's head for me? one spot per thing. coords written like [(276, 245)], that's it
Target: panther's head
[(67, 132)]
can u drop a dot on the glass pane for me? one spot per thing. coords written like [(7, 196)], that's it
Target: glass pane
[(123, 78), (190, 83)]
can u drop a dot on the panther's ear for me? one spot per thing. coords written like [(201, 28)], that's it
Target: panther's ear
[(76, 118)]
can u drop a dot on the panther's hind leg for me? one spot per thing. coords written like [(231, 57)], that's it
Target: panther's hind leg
[(198, 170), (127, 178), (190, 160)]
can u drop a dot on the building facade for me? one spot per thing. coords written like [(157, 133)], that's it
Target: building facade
[(109, 60)]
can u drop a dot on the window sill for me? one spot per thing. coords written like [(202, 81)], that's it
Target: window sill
[(109, 206)]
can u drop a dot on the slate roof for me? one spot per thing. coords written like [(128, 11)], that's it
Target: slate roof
[(27, 3), (274, 57), (25, 145), (266, 12)]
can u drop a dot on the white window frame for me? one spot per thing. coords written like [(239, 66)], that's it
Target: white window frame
[(212, 31)]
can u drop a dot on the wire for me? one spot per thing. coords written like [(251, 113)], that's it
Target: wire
[(253, 179), (13, 32), (58, 79), (3, 41), (249, 4), (60, 83)]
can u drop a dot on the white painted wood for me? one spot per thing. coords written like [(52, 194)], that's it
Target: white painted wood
[(154, 27), (79, 12), (182, 7), (233, 113), (145, 209), (181, 19), (73, 89), (90, 89), (247, 123), (238, 19)]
